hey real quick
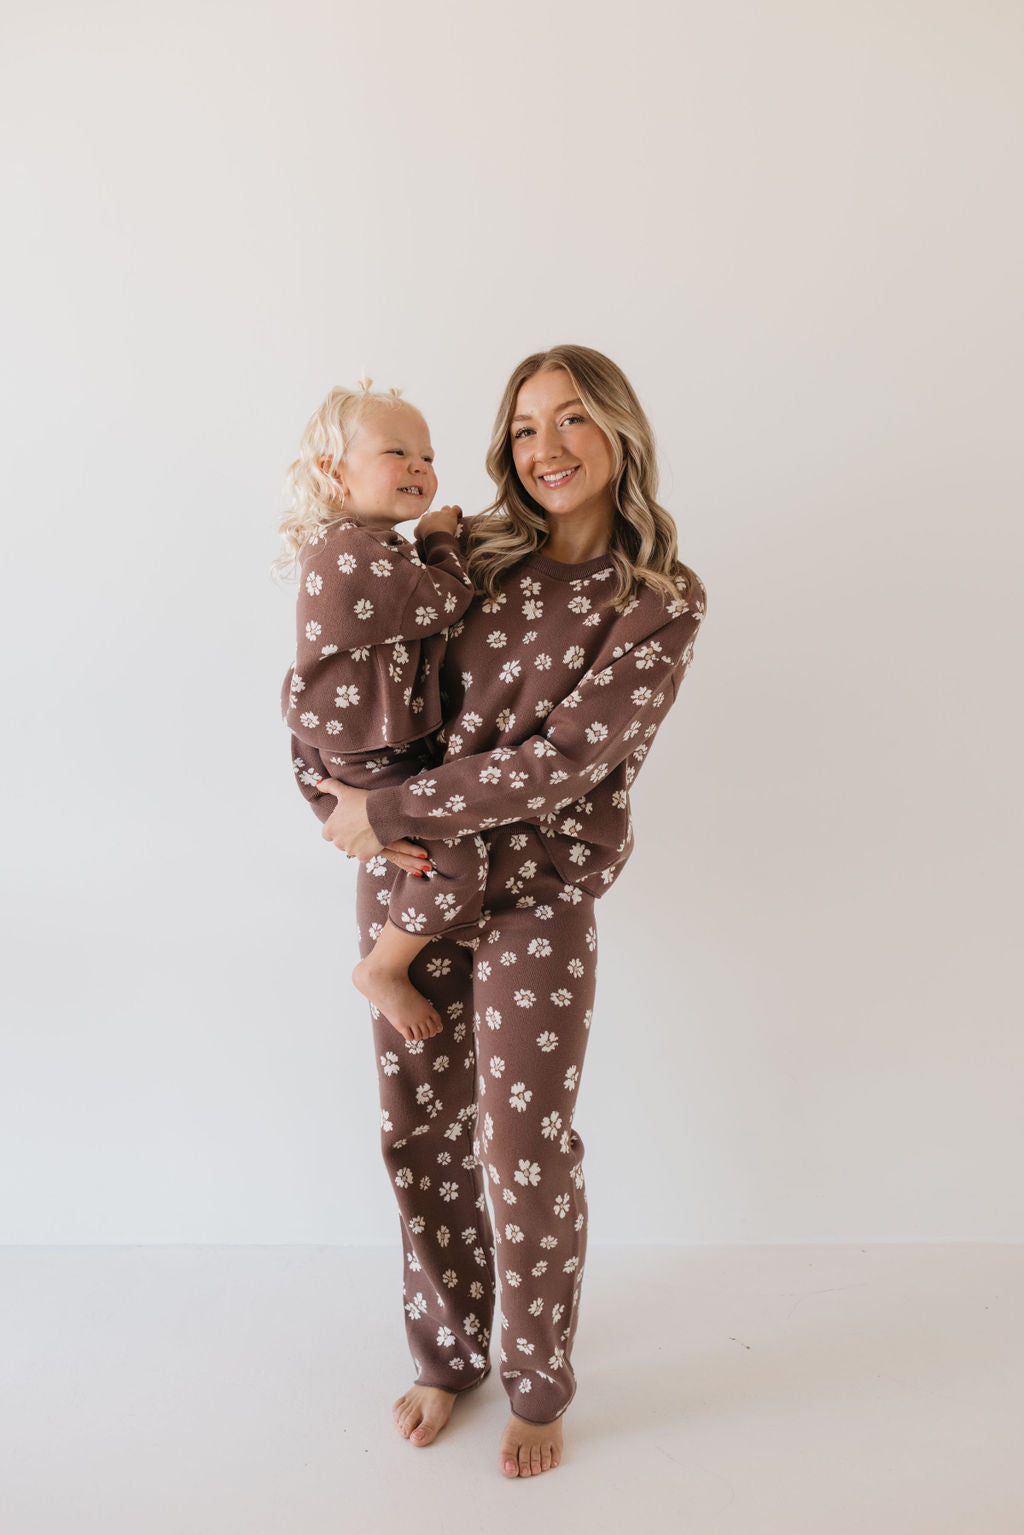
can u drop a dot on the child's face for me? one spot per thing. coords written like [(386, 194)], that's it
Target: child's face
[(388, 471)]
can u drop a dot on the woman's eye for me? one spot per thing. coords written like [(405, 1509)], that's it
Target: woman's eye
[(523, 431), (570, 420)]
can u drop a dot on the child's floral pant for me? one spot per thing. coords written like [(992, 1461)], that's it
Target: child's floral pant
[(454, 893), (489, 1101)]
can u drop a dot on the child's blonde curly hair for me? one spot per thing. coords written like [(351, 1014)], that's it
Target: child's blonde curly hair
[(315, 498)]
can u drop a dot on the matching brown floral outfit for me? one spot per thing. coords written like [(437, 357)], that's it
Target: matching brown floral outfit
[(551, 698)]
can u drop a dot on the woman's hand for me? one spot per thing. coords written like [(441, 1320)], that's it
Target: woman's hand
[(445, 520), (349, 829)]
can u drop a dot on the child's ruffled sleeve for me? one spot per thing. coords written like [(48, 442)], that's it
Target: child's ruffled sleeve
[(355, 590)]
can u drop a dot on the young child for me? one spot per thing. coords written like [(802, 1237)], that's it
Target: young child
[(362, 698)]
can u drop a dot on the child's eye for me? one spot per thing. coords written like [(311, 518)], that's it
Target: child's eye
[(399, 451)]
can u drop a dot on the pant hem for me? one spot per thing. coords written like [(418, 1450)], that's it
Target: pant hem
[(455, 1390), (542, 1422)]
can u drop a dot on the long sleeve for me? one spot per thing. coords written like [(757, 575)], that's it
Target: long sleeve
[(602, 730), (372, 618), (356, 590)]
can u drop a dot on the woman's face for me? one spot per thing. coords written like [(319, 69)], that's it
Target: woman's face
[(562, 457)]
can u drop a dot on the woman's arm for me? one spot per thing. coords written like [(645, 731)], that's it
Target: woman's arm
[(610, 716)]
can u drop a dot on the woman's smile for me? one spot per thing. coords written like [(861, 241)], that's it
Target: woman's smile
[(555, 478)]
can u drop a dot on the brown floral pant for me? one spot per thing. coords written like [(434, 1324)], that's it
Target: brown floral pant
[(488, 1104)]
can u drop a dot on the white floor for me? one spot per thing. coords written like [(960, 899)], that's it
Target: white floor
[(734, 1390)]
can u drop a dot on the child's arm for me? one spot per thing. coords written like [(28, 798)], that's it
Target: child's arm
[(439, 549), (445, 519), (355, 591)]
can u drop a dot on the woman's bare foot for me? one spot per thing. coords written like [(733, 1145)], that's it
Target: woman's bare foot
[(394, 995), (527, 1449), (422, 1413)]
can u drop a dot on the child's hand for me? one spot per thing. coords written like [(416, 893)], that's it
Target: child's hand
[(445, 520)]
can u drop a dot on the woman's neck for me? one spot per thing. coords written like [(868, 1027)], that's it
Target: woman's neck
[(574, 543)]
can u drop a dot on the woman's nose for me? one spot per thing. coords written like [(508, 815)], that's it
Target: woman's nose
[(546, 443)]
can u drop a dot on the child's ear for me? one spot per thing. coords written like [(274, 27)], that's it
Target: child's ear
[(327, 467)]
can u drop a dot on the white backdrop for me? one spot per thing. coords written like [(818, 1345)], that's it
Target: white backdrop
[(797, 226)]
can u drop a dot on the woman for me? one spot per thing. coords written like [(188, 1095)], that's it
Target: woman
[(555, 681)]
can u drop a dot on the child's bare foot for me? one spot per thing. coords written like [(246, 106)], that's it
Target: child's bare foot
[(422, 1413), (396, 997), (527, 1449)]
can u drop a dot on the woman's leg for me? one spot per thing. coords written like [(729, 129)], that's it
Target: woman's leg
[(533, 984), (427, 1114)]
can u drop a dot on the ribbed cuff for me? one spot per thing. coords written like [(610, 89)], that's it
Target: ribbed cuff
[(323, 805), (383, 811), (440, 540)]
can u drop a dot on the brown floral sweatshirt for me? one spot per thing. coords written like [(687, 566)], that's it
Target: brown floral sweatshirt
[(552, 701), (372, 618)]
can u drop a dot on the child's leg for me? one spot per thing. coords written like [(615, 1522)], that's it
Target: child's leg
[(422, 906), (383, 977)]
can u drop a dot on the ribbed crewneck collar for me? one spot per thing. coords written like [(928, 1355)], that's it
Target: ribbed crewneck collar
[(559, 572)]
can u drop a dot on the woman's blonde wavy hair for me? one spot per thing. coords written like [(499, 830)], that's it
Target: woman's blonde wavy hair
[(315, 498), (643, 545)]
